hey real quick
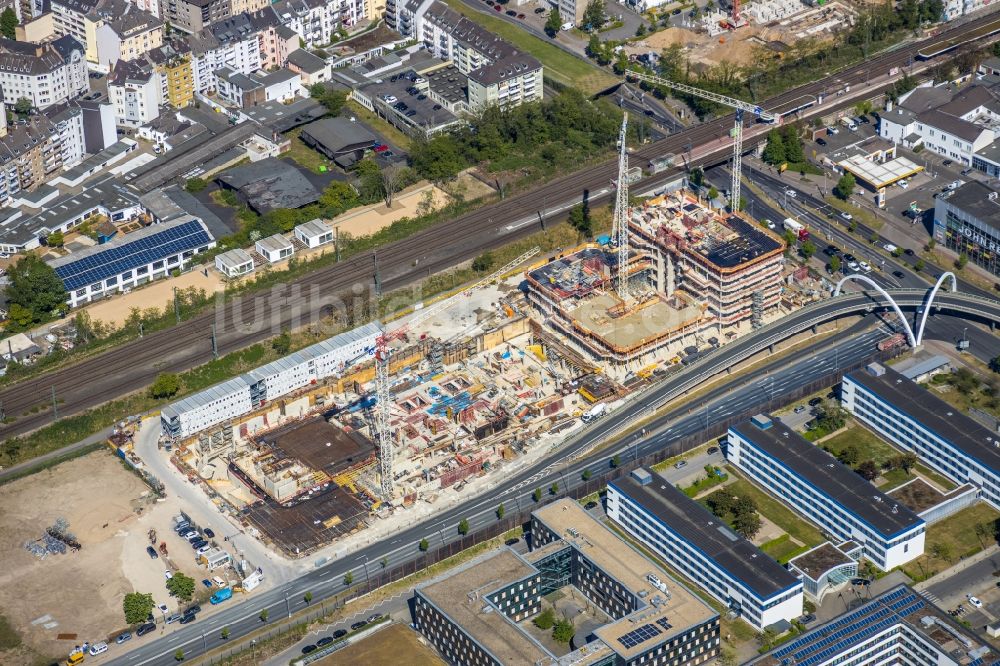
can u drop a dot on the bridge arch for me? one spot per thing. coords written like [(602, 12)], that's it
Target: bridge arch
[(867, 280), (930, 301)]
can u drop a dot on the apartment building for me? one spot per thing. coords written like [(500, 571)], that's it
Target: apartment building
[(961, 124), (33, 153), (276, 40), (121, 31), (704, 549), (172, 62), (914, 419), (136, 92), (471, 614), (896, 627), (317, 21), (195, 15), (814, 484), (233, 42), (44, 74), (498, 73), (953, 9)]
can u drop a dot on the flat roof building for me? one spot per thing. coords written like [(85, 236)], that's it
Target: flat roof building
[(830, 494), (275, 248), (825, 567), (967, 221), (472, 615), (339, 139), (234, 263), (898, 626), (314, 233), (130, 260), (703, 548), (269, 184), (916, 420)]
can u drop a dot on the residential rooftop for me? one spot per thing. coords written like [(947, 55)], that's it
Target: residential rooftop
[(743, 561), (830, 477)]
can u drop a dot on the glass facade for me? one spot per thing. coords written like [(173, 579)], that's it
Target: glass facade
[(982, 247)]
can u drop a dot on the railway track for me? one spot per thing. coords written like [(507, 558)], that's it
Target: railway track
[(247, 320)]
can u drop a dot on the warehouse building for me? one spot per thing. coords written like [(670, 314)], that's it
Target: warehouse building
[(830, 494), (241, 395), (701, 546), (471, 614), (131, 260), (914, 419), (897, 627)]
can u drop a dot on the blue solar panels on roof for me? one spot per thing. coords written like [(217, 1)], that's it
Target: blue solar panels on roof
[(639, 635), (128, 255)]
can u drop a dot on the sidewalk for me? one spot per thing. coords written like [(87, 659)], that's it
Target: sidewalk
[(961, 566)]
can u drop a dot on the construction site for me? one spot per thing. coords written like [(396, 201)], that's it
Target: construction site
[(474, 384)]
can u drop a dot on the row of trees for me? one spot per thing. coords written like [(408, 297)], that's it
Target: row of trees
[(740, 511), (784, 145)]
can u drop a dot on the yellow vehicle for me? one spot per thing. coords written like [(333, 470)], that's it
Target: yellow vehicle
[(75, 658)]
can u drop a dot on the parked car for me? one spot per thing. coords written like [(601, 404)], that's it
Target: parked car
[(520, 17), (162, 608), (151, 552), (145, 629), (799, 409), (540, 10), (389, 99), (176, 617), (168, 574), (590, 505), (806, 619), (326, 640), (358, 625), (510, 12), (975, 601), (188, 619), (374, 618), (190, 533), (712, 449), (308, 649), (192, 610), (852, 265), (203, 550), (209, 532), (904, 183), (195, 545), (947, 163), (680, 463), (769, 224), (206, 582), (340, 633), (511, 542), (123, 637), (821, 141)]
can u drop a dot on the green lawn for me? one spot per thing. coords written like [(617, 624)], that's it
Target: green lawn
[(383, 127), (303, 155), (783, 548), (9, 638), (704, 483), (942, 481), (869, 445), (951, 539), (776, 511), (892, 479), (559, 65)]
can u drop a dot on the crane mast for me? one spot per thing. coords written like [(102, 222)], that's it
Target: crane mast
[(621, 214), (739, 105), (383, 390)]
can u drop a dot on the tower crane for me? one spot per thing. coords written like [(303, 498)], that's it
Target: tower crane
[(739, 105), (382, 388), (619, 229)]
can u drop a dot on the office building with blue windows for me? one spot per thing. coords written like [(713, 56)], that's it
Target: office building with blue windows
[(831, 495), (914, 419), (704, 549), (897, 627)]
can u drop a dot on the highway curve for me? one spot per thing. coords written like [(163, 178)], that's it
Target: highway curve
[(132, 366)]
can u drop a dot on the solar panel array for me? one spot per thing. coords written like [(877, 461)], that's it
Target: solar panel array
[(130, 255), (639, 635), (663, 623), (842, 632)]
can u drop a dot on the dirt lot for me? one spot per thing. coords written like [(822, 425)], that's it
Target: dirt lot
[(396, 644), (82, 592)]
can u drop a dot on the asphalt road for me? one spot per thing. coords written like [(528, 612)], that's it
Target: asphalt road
[(951, 591), (745, 394), (133, 366)]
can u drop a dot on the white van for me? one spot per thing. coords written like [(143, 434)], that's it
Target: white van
[(567, 26), (98, 648)]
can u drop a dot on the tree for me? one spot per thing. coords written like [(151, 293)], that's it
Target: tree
[(907, 461), (747, 524), (919, 265), (55, 239), (863, 107), (23, 106), (8, 23), (563, 631), (179, 655), (483, 262), (641, 30), (792, 142), (195, 185), (348, 579), (995, 364), (849, 455), (437, 160), (463, 527), (137, 607), (181, 586), (333, 100), (225, 633), (338, 197), (307, 597), (553, 23), (807, 249), (34, 285), (166, 385), (586, 475), (263, 615), (369, 176), (393, 178), (545, 620), (941, 551), (697, 177), (282, 344), (554, 488), (423, 545), (984, 531), (713, 193), (931, 244), (537, 495), (616, 461), (594, 15), (844, 187), (962, 261), (834, 263), (774, 151), (579, 219), (868, 470), (500, 511), (384, 562), (766, 639)]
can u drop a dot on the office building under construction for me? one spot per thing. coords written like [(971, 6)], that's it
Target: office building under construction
[(692, 273)]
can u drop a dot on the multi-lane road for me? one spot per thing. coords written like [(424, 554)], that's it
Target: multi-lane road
[(105, 376)]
